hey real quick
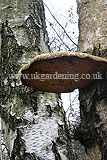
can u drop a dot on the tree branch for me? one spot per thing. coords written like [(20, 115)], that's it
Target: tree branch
[(59, 37), (61, 26)]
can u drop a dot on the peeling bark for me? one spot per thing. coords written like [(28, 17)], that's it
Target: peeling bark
[(93, 99)]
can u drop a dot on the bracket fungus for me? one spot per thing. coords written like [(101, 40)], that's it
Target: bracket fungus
[(62, 72)]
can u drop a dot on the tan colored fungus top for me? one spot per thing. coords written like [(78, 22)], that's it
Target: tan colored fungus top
[(62, 72)]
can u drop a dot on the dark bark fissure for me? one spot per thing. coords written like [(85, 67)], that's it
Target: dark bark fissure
[(98, 52), (19, 151), (55, 151), (92, 130)]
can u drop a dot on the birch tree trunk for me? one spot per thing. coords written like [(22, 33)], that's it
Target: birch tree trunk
[(93, 99), (33, 123)]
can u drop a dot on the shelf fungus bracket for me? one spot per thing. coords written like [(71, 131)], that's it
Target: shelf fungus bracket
[(62, 72)]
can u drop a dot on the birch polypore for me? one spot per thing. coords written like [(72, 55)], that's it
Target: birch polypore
[(62, 72)]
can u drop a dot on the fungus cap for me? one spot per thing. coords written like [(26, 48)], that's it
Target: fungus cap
[(62, 72)]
